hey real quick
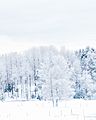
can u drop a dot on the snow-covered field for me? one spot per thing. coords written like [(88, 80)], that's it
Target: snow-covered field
[(43, 110)]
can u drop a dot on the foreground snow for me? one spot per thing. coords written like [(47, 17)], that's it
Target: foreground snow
[(43, 110)]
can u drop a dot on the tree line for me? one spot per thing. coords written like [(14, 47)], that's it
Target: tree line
[(45, 73)]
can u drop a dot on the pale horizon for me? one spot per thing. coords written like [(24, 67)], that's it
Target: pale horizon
[(8, 45)]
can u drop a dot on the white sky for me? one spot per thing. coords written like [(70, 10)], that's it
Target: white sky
[(27, 23)]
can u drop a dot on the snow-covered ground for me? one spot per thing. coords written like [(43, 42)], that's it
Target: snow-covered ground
[(44, 110)]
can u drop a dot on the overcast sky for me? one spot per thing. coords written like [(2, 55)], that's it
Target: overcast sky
[(27, 23)]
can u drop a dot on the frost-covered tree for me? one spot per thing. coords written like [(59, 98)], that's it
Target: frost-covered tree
[(58, 79), (87, 58)]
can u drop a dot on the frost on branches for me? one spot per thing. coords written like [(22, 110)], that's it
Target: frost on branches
[(44, 73)]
